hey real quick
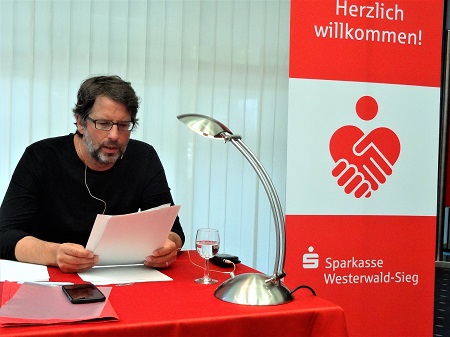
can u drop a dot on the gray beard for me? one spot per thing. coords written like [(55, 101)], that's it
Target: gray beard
[(96, 153)]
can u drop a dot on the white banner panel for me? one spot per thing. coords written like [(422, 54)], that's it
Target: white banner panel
[(318, 108)]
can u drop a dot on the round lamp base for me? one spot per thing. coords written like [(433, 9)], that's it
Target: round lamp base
[(252, 289)]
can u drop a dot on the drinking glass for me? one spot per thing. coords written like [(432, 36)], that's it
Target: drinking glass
[(207, 244)]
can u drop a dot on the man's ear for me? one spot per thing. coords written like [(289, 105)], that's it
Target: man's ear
[(79, 122)]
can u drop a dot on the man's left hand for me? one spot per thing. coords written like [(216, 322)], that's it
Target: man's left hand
[(163, 257)]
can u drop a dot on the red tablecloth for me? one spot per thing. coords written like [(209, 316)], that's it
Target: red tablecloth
[(184, 308)]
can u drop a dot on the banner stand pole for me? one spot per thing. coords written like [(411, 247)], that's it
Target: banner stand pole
[(445, 97)]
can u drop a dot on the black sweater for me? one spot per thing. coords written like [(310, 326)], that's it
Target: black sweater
[(48, 199)]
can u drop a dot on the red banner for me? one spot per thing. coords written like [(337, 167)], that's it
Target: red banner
[(363, 140), (389, 41)]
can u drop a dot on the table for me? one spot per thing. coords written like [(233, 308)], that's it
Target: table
[(184, 308)]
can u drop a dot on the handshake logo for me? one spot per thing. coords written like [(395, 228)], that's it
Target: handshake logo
[(363, 161)]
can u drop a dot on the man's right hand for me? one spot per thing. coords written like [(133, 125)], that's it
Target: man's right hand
[(73, 258), (69, 257)]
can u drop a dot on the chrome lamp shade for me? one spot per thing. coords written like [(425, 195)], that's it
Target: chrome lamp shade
[(249, 288)]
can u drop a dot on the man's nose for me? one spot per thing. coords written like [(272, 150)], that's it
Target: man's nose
[(114, 132)]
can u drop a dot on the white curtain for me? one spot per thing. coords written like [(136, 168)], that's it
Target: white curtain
[(225, 59)]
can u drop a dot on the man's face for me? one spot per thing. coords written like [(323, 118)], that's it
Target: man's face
[(105, 147)]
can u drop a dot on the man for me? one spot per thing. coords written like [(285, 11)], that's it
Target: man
[(60, 184)]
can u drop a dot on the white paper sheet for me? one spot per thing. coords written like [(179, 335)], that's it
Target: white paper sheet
[(122, 275), (129, 238), (22, 272)]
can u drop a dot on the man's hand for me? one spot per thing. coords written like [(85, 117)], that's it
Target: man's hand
[(69, 257), (163, 257), (73, 258)]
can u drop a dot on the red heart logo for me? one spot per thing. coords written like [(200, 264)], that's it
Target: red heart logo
[(363, 162)]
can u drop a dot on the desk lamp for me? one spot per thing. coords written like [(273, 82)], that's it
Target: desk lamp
[(249, 288)]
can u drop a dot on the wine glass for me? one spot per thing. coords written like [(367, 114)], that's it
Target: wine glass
[(207, 243)]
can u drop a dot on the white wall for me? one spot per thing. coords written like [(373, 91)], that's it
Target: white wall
[(226, 59)]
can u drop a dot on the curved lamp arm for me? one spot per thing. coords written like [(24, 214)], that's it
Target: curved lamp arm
[(275, 205), (211, 128)]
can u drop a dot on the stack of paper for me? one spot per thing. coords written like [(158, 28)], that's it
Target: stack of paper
[(22, 272), (130, 238), (122, 242), (122, 275)]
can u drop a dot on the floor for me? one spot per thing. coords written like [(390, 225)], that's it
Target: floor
[(442, 303)]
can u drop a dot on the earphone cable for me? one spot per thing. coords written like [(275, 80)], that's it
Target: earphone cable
[(85, 183)]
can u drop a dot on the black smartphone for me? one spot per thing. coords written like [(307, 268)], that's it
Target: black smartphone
[(83, 293)]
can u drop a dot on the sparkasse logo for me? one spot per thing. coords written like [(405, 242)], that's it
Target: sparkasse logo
[(310, 260)]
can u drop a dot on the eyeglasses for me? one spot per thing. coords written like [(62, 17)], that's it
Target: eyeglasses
[(103, 125)]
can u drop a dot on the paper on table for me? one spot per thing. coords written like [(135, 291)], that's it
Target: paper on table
[(129, 238), (25, 306), (22, 272), (122, 274)]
